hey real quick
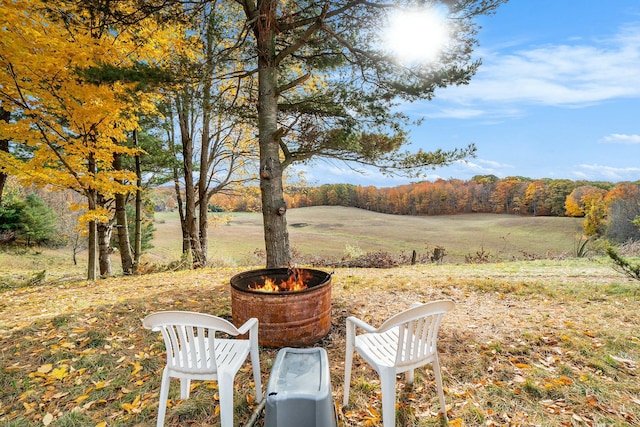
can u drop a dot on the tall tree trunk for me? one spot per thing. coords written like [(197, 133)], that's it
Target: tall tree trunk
[(4, 146), (91, 250), (191, 220), (186, 246), (92, 202), (137, 251), (276, 235), (122, 224), (203, 202), (76, 246), (104, 249)]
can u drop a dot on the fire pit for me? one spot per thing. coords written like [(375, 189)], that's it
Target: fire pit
[(288, 318)]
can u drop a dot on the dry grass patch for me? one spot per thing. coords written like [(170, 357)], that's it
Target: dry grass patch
[(539, 343)]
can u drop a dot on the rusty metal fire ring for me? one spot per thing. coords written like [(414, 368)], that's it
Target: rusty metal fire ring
[(286, 319)]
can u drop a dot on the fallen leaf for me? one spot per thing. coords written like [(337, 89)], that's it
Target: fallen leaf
[(137, 367), (133, 407), (45, 369), (60, 395), (592, 400), (26, 394), (101, 384), (82, 398), (47, 419), (29, 407), (59, 373)]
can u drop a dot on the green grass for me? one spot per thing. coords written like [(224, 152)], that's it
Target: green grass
[(323, 232), (334, 231)]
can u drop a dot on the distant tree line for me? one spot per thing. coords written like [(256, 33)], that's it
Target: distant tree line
[(610, 209), (481, 194)]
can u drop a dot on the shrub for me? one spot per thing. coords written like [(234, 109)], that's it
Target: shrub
[(28, 220)]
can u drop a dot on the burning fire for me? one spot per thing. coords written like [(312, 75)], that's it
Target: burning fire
[(295, 282)]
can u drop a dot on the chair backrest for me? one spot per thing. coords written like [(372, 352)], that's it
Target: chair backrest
[(189, 338), (417, 331)]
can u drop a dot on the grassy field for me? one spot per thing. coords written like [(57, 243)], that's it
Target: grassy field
[(332, 232), (544, 342), (329, 233)]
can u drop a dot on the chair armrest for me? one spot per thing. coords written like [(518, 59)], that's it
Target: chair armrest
[(248, 325), (362, 324)]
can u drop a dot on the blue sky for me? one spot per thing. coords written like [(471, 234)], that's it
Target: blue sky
[(557, 96)]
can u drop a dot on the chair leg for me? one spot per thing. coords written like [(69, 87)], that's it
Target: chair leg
[(185, 388), (437, 374), (348, 361), (409, 376), (255, 365), (225, 389), (164, 394), (347, 376), (388, 386)]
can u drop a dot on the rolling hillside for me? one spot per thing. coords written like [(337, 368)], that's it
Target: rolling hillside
[(333, 232)]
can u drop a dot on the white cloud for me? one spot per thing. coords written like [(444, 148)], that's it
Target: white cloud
[(494, 164), (327, 172), (456, 113), (607, 173), (559, 75), (466, 169), (618, 138)]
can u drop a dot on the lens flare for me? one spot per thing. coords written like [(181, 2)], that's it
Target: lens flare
[(416, 36)]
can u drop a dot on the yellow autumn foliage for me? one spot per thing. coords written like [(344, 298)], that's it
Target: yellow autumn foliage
[(67, 123)]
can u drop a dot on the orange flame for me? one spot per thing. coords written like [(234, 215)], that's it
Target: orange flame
[(295, 282)]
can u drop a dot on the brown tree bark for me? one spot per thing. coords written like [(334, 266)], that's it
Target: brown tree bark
[(122, 224), (276, 235), (191, 220), (203, 199), (137, 249), (4, 146), (92, 201), (104, 249)]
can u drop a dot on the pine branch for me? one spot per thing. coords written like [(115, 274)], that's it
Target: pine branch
[(624, 266)]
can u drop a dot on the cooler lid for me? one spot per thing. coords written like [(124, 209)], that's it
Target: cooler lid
[(299, 371)]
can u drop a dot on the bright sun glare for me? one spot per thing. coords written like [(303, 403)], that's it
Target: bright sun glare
[(416, 36)]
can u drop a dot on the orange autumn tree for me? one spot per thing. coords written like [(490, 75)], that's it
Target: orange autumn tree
[(64, 131), (588, 201)]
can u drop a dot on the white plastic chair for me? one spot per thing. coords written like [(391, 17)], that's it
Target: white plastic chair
[(402, 343), (194, 353)]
